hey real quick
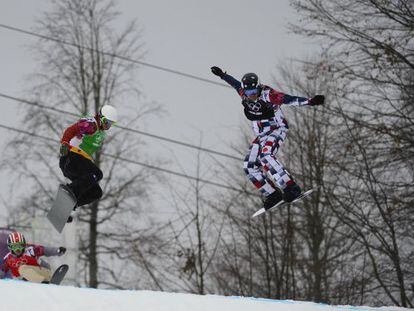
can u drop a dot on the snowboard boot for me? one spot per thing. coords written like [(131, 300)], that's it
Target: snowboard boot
[(272, 199), (291, 192), (68, 188)]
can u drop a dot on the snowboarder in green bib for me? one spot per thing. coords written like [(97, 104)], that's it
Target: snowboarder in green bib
[(78, 144)]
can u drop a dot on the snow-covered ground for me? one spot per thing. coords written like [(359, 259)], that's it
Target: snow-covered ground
[(20, 296)]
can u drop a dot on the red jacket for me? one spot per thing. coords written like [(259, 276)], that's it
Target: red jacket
[(85, 126), (30, 257)]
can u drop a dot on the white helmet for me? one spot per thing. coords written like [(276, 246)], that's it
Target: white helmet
[(109, 113)]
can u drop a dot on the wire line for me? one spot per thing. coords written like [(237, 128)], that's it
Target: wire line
[(31, 33), (170, 140), (131, 130), (173, 71), (137, 163)]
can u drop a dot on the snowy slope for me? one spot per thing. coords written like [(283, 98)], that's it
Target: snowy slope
[(21, 296)]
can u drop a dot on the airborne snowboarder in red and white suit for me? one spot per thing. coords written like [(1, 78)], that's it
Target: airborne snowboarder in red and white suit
[(263, 106)]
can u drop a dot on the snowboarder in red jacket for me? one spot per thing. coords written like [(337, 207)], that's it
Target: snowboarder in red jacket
[(23, 257), (263, 107), (78, 144)]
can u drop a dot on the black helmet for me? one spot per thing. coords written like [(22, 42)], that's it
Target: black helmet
[(250, 81)]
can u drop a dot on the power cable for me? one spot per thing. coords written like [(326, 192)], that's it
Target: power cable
[(137, 163), (187, 75), (170, 140), (128, 129), (31, 33)]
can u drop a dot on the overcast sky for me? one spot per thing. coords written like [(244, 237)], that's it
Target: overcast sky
[(185, 35)]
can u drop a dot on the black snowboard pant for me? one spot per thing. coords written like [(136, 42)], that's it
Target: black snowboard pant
[(84, 175)]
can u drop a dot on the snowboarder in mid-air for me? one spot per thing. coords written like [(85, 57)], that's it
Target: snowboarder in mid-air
[(23, 260), (262, 105), (78, 144)]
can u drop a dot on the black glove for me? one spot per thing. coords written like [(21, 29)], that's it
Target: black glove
[(317, 100), (217, 71), (64, 150), (61, 250)]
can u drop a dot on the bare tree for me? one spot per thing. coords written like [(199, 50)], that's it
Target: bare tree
[(370, 47), (192, 238), (326, 244), (75, 75), (300, 251), (257, 256)]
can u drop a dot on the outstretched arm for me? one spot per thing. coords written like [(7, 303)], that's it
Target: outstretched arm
[(279, 98), (47, 251), (226, 77), (54, 251)]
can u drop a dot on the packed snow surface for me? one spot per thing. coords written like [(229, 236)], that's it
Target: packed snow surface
[(20, 296)]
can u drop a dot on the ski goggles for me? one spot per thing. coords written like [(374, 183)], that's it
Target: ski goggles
[(106, 122), (17, 247), (251, 92)]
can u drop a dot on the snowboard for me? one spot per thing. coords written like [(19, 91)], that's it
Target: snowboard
[(38, 274), (282, 203), (59, 274), (34, 274), (63, 205)]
